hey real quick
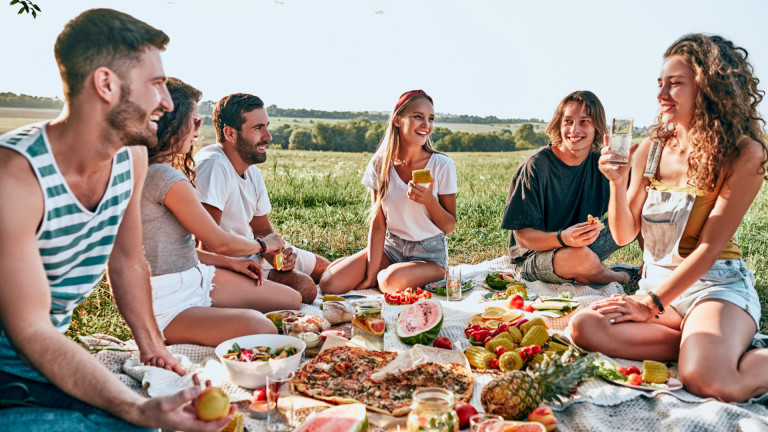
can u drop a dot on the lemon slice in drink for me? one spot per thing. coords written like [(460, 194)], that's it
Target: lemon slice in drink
[(279, 259)]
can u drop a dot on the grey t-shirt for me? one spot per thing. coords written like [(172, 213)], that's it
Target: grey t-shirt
[(548, 195), (168, 246)]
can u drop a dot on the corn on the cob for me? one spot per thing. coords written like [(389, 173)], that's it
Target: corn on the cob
[(422, 176), (496, 341), (479, 357), (510, 361), (515, 333), (236, 425), (533, 323), (536, 335), (654, 372), (556, 347)]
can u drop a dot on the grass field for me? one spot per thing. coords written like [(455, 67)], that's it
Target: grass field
[(319, 204)]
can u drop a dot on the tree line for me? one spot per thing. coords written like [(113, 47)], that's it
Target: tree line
[(206, 108), (12, 100), (363, 135)]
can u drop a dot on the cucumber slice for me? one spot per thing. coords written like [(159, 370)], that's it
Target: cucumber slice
[(549, 313), (548, 305)]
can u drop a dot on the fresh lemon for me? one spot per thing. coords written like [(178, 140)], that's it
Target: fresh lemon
[(495, 309), (511, 316), (279, 259), (492, 324), (477, 319)]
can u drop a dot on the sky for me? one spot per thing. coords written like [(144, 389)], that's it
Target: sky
[(508, 58)]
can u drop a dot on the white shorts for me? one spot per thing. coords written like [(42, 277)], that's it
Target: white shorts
[(305, 261), (174, 293)]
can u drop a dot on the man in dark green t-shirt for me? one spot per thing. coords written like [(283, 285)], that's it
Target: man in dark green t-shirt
[(552, 195)]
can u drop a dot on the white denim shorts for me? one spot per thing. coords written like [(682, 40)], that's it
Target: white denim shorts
[(728, 280), (174, 293)]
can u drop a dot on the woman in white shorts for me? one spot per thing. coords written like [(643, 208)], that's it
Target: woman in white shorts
[(691, 183), (187, 307), (409, 221)]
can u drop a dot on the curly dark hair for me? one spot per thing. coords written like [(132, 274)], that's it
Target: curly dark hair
[(594, 109), (230, 109), (725, 108), (175, 125), (102, 37)]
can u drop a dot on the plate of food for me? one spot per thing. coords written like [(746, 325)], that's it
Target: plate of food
[(501, 281), (499, 295), (653, 376), (439, 287)]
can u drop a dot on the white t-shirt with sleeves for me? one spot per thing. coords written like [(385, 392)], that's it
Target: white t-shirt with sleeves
[(240, 199), (408, 219)]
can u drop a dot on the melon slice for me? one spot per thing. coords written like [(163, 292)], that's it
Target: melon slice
[(420, 322), (342, 418)]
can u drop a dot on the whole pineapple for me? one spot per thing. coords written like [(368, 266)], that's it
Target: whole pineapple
[(515, 394)]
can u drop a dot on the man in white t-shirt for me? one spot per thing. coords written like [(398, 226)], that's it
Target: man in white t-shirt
[(232, 188)]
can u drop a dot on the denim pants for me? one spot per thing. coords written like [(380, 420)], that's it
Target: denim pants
[(28, 405)]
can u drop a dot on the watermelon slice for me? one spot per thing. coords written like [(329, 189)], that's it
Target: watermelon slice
[(420, 322), (342, 418)]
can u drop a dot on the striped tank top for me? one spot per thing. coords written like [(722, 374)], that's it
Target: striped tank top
[(74, 241)]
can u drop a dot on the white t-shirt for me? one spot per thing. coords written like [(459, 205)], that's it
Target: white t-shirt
[(240, 199), (408, 219)]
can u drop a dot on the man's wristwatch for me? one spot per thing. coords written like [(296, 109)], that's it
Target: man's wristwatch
[(263, 245)]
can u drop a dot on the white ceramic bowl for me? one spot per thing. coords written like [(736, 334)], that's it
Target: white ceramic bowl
[(254, 374)]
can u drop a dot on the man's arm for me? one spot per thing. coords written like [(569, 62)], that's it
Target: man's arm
[(129, 277)]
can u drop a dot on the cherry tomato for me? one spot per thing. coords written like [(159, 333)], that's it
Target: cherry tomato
[(633, 370), (495, 363), (635, 379), (500, 350), (622, 370)]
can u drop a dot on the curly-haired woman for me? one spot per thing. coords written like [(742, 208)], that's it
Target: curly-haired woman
[(691, 184)]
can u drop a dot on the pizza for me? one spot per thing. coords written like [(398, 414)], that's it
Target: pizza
[(343, 375)]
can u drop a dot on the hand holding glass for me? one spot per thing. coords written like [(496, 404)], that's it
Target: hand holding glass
[(621, 140)]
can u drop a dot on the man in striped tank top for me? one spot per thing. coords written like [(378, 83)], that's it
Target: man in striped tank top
[(70, 190)]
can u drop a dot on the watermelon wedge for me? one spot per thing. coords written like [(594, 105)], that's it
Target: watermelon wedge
[(420, 322), (342, 418)]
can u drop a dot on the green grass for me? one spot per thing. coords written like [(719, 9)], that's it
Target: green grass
[(319, 204)]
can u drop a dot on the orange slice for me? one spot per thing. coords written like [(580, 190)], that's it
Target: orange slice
[(511, 316), (477, 319), (279, 259), (492, 324), (492, 314), (500, 310)]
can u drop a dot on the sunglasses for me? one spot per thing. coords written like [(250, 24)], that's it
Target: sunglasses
[(198, 121)]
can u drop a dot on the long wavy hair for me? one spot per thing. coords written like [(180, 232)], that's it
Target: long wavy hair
[(389, 147), (594, 109), (725, 108), (175, 125)]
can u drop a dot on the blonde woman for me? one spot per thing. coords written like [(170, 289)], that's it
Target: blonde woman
[(409, 221), (691, 183)]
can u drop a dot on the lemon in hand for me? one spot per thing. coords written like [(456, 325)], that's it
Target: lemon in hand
[(279, 259)]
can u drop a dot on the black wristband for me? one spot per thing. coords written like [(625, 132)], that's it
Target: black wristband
[(560, 239), (263, 245), (657, 302)]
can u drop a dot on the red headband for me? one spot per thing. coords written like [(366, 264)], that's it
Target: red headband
[(407, 96)]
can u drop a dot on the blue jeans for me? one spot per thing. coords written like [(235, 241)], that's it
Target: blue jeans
[(28, 405), (433, 249)]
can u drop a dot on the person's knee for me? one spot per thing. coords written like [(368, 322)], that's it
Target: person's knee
[(306, 287), (582, 326), (257, 323), (393, 281)]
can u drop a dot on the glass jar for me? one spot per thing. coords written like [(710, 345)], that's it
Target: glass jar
[(368, 324), (432, 411)]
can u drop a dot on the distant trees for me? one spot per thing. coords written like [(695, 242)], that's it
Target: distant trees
[(8, 99), (363, 135)]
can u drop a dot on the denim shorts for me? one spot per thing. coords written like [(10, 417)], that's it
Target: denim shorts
[(539, 265), (28, 405), (727, 280), (433, 249)]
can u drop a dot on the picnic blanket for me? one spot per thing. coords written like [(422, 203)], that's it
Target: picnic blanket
[(597, 406)]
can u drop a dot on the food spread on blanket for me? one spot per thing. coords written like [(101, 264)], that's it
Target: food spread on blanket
[(259, 353), (654, 375), (553, 307), (407, 296), (343, 375)]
